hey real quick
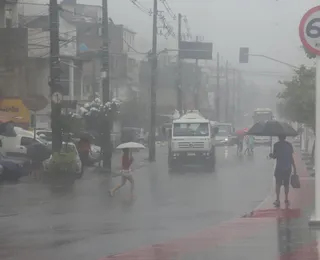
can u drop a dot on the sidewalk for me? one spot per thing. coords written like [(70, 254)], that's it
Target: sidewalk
[(265, 234)]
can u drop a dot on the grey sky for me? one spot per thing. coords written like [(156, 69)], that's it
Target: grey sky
[(268, 27)]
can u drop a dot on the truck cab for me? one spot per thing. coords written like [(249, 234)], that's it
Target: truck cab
[(192, 141)]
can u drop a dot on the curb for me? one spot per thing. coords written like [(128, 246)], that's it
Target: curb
[(298, 196)]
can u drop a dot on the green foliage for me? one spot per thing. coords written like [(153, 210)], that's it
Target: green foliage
[(95, 113), (309, 54), (297, 100), (63, 162), (71, 123)]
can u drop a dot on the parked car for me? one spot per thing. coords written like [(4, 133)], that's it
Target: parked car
[(13, 168), (15, 143), (71, 148), (94, 156)]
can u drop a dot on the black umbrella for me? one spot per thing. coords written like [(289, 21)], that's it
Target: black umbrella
[(272, 128)]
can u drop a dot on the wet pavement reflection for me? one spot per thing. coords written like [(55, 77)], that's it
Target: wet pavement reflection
[(85, 223)]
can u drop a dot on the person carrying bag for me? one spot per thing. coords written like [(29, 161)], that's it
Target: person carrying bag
[(295, 181)]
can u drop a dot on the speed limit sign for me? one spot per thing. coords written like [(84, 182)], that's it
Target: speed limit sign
[(309, 30)]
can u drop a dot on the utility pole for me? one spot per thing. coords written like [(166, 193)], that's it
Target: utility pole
[(196, 87), (239, 96), (153, 93), (179, 65), (107, 122), (227, 93), (218, 89), (54, 82), (234, 90)]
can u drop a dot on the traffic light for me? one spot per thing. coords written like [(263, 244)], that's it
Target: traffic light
[(244, 55)]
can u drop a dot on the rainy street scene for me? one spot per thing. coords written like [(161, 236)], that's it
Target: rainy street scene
[(159, 129)]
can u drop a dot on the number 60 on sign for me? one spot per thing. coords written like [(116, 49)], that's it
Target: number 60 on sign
[(309, 30)]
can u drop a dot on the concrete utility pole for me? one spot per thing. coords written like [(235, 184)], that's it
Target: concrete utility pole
[(234, 91), (218, 89), (196, 87), (238, 112), (227, 93), (153, 93), (179, 65), (107, 124), (55, 71), (71, 79)]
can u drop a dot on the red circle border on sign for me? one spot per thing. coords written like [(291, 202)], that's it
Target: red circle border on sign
[(301, 30)]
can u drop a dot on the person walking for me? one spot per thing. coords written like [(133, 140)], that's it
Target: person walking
[(84, 149), (126, 174), (249, 139), (283, 153)]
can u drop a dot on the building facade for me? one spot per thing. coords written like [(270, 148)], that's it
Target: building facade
[(87, 19)]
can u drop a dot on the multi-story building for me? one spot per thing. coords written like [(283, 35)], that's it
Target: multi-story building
[(13, 44), (87, 19), (9, 14)]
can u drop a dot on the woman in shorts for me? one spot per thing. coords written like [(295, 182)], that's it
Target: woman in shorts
[(126, 174)]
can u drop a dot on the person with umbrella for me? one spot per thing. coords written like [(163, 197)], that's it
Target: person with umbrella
[(282, 152), (126, 174), (240, 137)]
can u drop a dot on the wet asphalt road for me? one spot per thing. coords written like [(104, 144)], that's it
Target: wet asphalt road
[(84, 223)]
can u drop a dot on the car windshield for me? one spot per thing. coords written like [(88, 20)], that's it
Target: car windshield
[(262, 116), (224, 130), (42, 141), (191, 129), (45, 135)]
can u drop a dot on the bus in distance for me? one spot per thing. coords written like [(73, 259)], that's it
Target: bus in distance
[(262, 114)]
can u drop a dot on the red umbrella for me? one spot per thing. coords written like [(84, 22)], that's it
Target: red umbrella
[(242, 131)]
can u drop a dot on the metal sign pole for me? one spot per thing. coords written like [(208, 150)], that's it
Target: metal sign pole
[(309, 32), (317, 155)]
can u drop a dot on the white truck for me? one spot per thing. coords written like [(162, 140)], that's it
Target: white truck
[(192, 141)]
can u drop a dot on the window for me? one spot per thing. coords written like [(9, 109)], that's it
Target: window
[(224, 130), (45, 135), (25, 141), (190, 129)]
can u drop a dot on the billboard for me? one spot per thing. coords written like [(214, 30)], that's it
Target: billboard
[(195, 50)]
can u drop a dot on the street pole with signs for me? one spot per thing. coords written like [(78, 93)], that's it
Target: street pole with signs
[(309, 31)]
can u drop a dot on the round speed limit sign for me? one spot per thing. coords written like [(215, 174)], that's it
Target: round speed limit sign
[(309, 30)]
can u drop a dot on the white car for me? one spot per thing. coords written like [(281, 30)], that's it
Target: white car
[(16, 145), (69, 147), (46, 134)]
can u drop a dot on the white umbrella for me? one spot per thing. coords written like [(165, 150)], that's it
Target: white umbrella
[(131, 145)]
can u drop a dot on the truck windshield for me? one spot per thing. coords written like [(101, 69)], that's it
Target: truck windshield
[(191, 129)]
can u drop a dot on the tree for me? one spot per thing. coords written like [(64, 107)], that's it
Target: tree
[(308, 53), (297, 100), (96, 113)]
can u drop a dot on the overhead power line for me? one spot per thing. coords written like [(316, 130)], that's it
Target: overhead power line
[(166, 30), (168, 8), (145, 10)]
